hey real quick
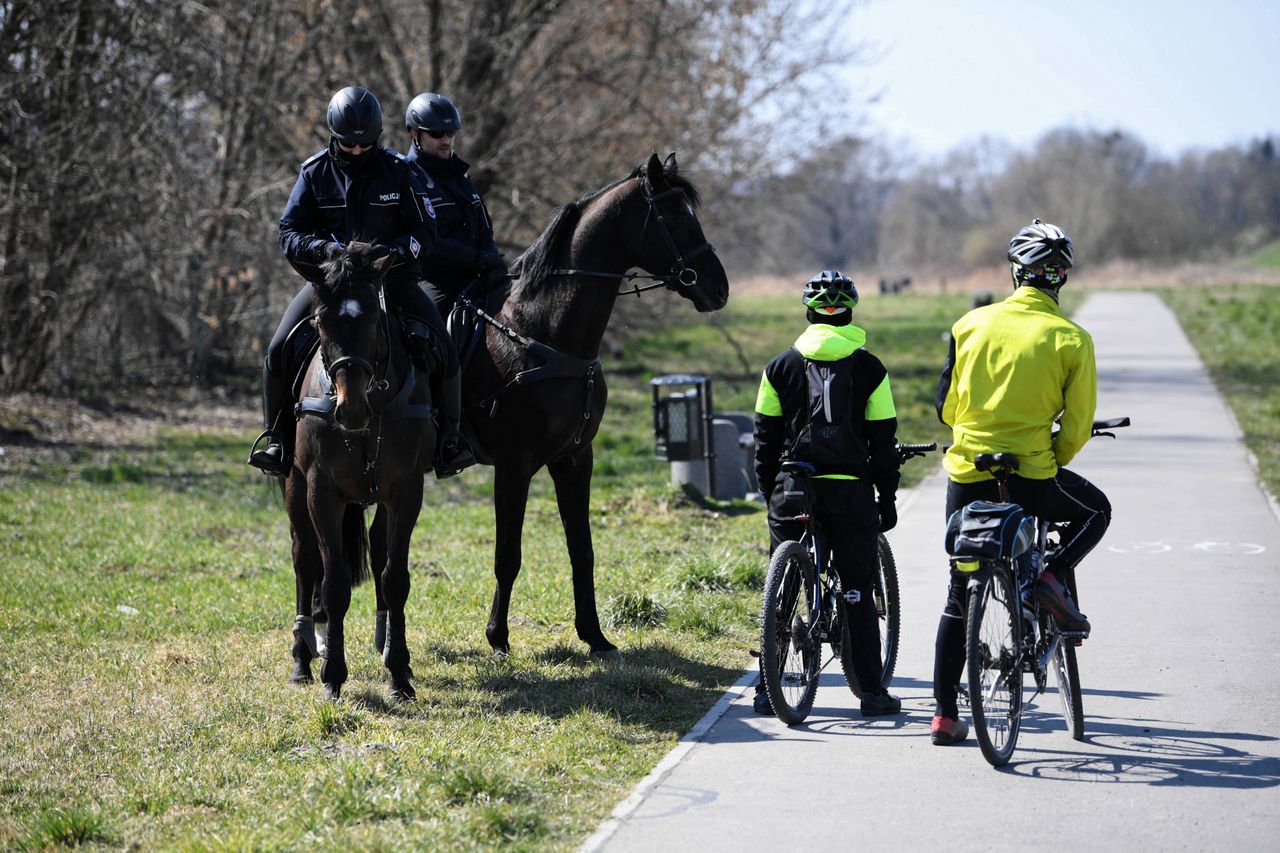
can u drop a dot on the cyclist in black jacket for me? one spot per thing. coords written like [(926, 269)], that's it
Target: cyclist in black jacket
[(845, 492), (357, 195), (464, 248)]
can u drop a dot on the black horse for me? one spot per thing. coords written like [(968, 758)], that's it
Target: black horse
[(364, 435), (534, 393)]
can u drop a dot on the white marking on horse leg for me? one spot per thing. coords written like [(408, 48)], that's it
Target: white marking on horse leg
[(322, 639)]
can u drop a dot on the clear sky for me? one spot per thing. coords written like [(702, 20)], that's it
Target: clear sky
[(1177, 74)]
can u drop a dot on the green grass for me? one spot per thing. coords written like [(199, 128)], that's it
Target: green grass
[(146, 601), (1267, 257), (1236, 330)]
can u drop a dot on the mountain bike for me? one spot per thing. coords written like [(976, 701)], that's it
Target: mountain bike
[(800, 613), (1007, 633)]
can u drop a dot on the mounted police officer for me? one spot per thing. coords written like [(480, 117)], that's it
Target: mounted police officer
[(362, 197), (464, 248)]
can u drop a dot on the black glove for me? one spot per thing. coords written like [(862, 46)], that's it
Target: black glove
[(888, 515), (372, 251), (491, 261)]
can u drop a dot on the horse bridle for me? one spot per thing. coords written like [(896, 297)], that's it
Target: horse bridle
[(681, 273)]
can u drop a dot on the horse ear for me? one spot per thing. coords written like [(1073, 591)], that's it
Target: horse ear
[(653, 171), (384, 263), (670, 166)]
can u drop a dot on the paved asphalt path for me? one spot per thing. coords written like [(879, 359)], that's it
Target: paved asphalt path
[(1181, 676)]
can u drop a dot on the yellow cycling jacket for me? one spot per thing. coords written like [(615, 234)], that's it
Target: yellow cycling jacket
[(1013, 368)]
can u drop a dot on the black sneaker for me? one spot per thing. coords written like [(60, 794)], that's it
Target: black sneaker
[(880, 704), (762, 704)]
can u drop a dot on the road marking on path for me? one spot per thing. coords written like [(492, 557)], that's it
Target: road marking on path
[(1211, 546)]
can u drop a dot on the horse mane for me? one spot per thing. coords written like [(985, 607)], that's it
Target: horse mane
[(534, 266), (337, 275)]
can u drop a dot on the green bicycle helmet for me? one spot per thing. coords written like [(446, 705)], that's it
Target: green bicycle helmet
[(830, 293)]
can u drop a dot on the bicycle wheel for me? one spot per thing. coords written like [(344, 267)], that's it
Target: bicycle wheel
[(789, 652), (1067, 673), (884, 591), (993, 647)]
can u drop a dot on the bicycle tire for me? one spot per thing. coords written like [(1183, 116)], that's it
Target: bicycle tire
[(993, 651), (1067, 672), (791, 659), (889, 610)]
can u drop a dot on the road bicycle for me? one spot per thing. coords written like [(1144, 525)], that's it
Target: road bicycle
[(1007, 633), (799, 612)]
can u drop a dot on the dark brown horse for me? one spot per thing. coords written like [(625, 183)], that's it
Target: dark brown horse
[(534, 394), (364, 436)]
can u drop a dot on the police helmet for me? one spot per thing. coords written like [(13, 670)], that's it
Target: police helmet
[(432, 112), (355, 116), (1040, 255), (829, 293)]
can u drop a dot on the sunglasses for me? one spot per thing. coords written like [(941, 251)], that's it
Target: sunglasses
[(354, 149), (440, 134)]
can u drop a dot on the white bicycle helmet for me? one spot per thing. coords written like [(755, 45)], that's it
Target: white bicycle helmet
[(1040, 255)]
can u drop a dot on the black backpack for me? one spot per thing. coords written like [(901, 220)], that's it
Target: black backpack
[(832, 439)]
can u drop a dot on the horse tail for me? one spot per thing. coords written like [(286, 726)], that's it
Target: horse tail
[(355, 545)]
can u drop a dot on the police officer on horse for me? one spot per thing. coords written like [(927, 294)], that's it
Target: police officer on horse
[(464, 248), (360, 197)]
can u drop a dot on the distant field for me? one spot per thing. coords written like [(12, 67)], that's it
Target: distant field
[(1237, 332), (146, 600)]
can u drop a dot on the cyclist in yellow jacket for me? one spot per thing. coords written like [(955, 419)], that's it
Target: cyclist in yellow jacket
[(1013, 369)]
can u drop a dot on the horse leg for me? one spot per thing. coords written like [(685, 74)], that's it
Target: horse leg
[(306, 572), (510, 494), (572, 476), (335, 589), (395, 584), (377, 563)]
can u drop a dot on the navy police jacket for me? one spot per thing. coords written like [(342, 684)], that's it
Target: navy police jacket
[(381, 203), (464, 229)]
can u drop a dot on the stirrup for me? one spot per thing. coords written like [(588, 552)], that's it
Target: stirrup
[(266, 466)]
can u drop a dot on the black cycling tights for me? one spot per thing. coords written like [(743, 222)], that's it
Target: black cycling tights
[(1067, 498)]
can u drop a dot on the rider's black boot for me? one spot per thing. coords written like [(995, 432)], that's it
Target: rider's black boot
[(277, 456), (453, 452)]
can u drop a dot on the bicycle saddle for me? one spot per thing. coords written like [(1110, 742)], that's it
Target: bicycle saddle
[(996, 461)]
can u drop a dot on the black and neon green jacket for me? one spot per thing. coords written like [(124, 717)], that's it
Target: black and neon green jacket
[(782, 406), (1013, 368)]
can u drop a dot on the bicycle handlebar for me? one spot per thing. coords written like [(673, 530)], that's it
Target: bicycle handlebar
[(911, 451)]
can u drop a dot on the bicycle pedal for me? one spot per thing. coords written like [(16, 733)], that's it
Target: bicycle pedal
[(1074, 635)]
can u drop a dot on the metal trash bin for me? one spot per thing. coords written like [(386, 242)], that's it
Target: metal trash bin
[(712, 453), (682, 429)]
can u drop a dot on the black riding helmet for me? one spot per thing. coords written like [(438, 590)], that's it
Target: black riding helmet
[(830, 293), (432, 112), (355, 116)]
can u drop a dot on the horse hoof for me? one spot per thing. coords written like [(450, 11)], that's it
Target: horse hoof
[(302, 680), (502, 654), (609, 654), (403, 694), (333, 692)]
